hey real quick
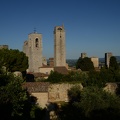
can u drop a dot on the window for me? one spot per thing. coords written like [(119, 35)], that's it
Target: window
[(36, 42), (59, 28)]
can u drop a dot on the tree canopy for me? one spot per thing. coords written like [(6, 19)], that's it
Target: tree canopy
[(92, 103), (15, 102), (85, 64), (113, 63), (13, 60)]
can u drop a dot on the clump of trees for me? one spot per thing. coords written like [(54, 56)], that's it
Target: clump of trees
[(113, 63), (85, 64), (15, 102), (90, 104), (13, 60)]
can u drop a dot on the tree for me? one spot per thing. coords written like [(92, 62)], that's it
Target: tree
[(15, 102), (12, 96), (13, 60), (69, 111), (85, 64), (92, 103), (55, 77), (113, 63), (98, 104), (74, 94)]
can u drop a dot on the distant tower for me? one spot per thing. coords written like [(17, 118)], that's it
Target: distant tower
[(107, 58), (4, 47), (95, 61), (83, 55), (33, 49), (59, 46)]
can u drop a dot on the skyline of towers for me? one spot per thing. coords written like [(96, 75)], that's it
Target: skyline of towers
[(33, 49), (59, 46)]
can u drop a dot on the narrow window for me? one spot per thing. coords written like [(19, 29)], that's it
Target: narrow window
[(36, 42)]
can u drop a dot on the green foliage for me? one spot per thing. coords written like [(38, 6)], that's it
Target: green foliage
[(55, 77), (92, 104), (15, 102), (113, 63), (12, 96), (85, 64), (97, 103), (71, 77), (13, 60), (74, 94), (37, 113)]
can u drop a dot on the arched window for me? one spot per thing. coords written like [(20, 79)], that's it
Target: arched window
[(36, 42)]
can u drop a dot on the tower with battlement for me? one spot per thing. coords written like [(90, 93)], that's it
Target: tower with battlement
[(33, 49), (59, 46)]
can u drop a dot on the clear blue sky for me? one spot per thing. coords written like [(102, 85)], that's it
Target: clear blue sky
[(92, 26)]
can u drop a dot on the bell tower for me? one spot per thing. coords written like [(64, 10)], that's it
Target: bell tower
[(59, 46), (33, 49)]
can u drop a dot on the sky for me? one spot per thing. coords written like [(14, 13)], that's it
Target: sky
[(91, 26)]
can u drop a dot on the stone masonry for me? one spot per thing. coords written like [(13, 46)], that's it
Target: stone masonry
[(33, 49), (59, 46)]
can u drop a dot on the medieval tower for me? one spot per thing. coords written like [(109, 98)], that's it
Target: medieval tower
[(59, 46), (33, 49), (107, 58)]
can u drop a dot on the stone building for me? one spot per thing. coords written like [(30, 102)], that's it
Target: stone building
[(4, 47), (38, 90), (33, 49), (95, 61), (83, 55), (107, 58), (49, 93), (59, 46), (51, 62)]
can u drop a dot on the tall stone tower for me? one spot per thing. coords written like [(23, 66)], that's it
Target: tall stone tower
[(59, 46), (33, 49), (107, 58)]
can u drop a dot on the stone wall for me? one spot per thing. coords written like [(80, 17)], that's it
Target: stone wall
[(42, 98), (58, 92), (54, 93), (111, 87)]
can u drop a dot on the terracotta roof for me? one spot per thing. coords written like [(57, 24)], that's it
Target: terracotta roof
[(61, 69), (33, 87)]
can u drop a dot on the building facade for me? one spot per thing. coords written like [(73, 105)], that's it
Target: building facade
[(33, 49), (107, 58), (59, 46)]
